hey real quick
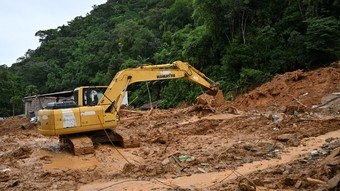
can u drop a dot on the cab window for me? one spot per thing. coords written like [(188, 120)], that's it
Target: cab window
[(75, 96), (91, 96)]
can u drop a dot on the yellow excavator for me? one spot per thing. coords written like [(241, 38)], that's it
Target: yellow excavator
[(93, 114)]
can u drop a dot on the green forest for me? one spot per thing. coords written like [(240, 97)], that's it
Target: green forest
[(238, 43)]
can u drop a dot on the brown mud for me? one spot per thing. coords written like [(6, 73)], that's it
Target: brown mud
[(283, 135)]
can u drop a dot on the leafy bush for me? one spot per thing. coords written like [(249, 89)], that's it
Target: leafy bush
[(178, 91), (250, 78)]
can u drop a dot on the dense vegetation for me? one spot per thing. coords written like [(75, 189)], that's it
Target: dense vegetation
[(238, 43)]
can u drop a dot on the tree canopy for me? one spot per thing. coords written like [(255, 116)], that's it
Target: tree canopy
[(238, 43)]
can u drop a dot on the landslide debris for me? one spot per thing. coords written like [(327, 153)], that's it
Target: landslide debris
[(292, 91), (258, 126)]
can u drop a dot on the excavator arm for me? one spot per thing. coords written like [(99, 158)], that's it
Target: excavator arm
[(115, 92)]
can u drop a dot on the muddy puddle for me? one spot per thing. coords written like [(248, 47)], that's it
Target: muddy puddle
[(65, 160)]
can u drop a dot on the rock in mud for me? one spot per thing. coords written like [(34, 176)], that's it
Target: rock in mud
[(286, 137), (15, 183), (331, 139), (201, 170), (298, 184), (315, 153), (4, 175), (245, 185), (165, 161), (251, 147)]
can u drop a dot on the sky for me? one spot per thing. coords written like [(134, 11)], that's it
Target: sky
[(21, 19)]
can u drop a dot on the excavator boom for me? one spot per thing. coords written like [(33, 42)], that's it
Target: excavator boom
[(116, 90)]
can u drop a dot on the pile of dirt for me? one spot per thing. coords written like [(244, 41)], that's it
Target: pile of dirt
[(296, 90), (12, 125)]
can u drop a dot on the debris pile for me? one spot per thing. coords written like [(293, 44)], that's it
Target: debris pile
[(283, 135), (292, 91), (311, 172)]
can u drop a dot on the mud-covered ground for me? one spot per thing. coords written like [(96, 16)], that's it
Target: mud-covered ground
[(283, 135)]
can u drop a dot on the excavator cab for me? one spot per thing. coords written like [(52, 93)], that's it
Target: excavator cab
[(88, 95)]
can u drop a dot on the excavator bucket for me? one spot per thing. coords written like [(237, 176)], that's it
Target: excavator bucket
[(211, 98)]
